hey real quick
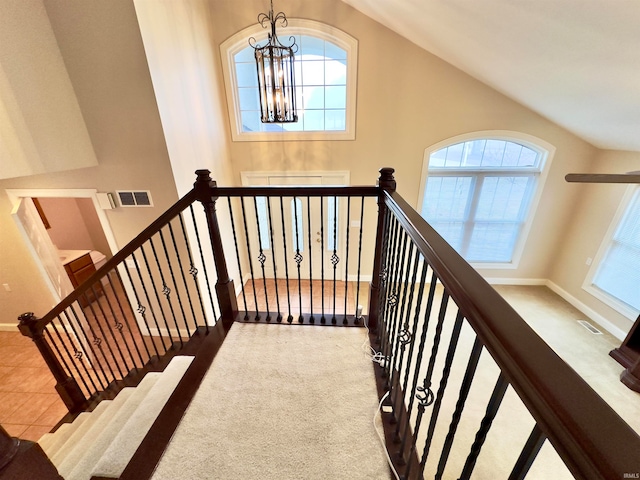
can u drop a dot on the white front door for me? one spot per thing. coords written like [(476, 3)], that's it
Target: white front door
[(307, 232)]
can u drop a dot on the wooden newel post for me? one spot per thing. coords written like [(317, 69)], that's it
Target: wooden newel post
[(225, 289), (66, 386), (386, 182)]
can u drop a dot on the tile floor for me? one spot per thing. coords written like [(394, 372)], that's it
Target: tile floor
[(29, 404)]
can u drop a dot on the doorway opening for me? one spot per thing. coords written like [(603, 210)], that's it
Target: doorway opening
[(77, 226)]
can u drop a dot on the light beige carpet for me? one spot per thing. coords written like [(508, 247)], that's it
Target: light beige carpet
[(281, 402)]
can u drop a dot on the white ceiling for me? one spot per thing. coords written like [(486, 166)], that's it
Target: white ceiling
[(576, 62)]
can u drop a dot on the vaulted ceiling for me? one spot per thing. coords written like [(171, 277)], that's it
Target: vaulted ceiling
[(576, 62)]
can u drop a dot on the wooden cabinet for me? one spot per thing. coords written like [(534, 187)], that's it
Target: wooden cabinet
[(78, 271)]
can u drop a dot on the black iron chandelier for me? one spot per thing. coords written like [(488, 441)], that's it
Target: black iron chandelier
[(274, 62)]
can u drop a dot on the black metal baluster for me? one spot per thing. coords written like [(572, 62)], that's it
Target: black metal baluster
[(492, 409), (416, 373), (146, 294), (273, 258), (166, 291), (455, 335), (311, 317), (357, 303), (97, 341), (175, 287), (53, 343), (262, 258), (393, 314), (235, 242), (184, 282), (118, 325), (346, 263), (334, 258), (124, 315), (389, 294), (323, 319), (286, 262), (424, 393), (253, 280), (412, 343), (194, 271), (384, 277), (402, 329), (90, 343), (79, 354), (405, 336), (141, 309), (111, 336), (298, 256), (462, 398), (155, 291), (528, 454)]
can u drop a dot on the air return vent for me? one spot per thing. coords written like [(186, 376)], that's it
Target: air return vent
[(589, 327), (137, 198)]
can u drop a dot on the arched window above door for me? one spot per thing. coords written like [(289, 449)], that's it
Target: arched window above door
[(325, 72)]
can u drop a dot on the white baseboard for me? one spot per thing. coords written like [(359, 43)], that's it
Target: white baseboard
[(517, 281), (8, 327), (588, 311)]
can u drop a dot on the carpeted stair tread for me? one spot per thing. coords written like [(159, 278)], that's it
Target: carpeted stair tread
[(117, 456), (93, 451), (76, 437), (76, 453), (49, 440)]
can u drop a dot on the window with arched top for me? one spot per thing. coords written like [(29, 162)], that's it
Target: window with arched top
[(479, 193), (325, 75)]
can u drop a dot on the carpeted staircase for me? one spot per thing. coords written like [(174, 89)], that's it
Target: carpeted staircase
[(101, 443)]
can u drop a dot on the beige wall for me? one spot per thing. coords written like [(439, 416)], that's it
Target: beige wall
[(590, 220), (104, 56), (408, 100)]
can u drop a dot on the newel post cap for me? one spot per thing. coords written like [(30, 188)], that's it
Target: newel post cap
[(386, 179), (27, 325)]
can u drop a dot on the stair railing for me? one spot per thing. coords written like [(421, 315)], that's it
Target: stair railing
[(425, 304), (434, 307)]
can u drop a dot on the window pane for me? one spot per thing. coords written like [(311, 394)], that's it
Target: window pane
[(312, 72), (313, 120), (312, 97), (246, 55), (249, 98), (493, 153), (335, 120), (619, 272), (446, 198), (335, 72), (333, 51), (503, 198), (311, 46), (335, 97), (492, 242), (251, 121), (454, 155), (247, 75)]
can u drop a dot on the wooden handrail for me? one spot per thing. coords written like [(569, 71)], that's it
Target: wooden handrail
[(590, 437)]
